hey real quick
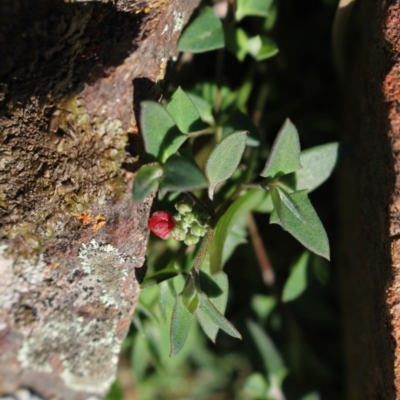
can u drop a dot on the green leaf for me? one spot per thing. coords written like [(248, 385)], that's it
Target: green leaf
[(288, 202), (181, 322), (224, 159), (159, 277), (240, 207), (317, 166), (146, 181), (311, 396), (237, 42), (139, 356), (216, 288), (237, 235), (160, 134), (266, 205), (256, 387), (183, 111), (115, 393), (205, 33), (204, 108), (309, 231), (181, 173), (284, 157), (273, 362), (263, 305), (190, 296), (262, 47), (296, 284), (258, 8), (208, 308)]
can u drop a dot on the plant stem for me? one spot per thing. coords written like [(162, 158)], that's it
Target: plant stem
[(207, 131), (261, 254), (201, 204)]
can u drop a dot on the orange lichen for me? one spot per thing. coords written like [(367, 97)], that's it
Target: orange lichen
[(99, 222), (96, 222)]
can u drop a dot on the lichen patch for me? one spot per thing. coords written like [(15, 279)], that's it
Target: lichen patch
[(107, 266)]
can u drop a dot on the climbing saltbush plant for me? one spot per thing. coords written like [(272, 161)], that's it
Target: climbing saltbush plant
[(210, 171)]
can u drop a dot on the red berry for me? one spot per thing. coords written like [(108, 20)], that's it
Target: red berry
[(161, 223)]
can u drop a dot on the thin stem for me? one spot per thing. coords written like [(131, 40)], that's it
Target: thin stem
[(201, 204), (261, 254), (218, 95), (207, 131)]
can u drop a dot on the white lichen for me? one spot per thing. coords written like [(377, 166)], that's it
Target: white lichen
[(106, 265), (87, 350), (179, 18)]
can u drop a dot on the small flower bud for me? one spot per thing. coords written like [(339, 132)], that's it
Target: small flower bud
[(161, 223), (178, 233), (184, 206), (191, 239), (177, 217), (190, 218), (198, 230)]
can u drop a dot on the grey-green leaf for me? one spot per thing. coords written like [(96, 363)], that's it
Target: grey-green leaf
[(181, 173), (259, 8), (205, 33), (273, 362), (238, 208), (317, 166), (284, 157), (160, 134), (181, 322), (296, 284), (309, 231), (216, 288), (183, 111), (262, 47), (216, 317), (146, 181), (224, 159)]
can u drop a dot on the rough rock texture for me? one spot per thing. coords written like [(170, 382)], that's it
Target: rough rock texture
[(370, 259), (71, 79)]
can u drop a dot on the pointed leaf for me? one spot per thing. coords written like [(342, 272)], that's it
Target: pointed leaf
[(296, 284), (287, 200), (183, 111), (310, 233), (190, 296), (224, 159), (204, 108), (278, 206), (257, 8), (256, 387), (181, 322), (181, 173), (146, 181), (317, 166), (216, 317), (139, 356), (273, 362), (284, 157), (216, 288), (262, 47), (160, 134), (240, 207), (205, 33)]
